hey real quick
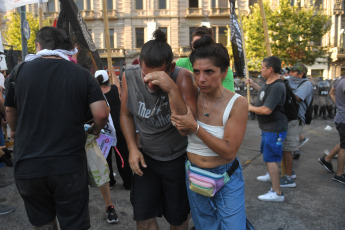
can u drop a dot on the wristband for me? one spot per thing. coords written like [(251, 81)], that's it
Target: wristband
[(197, 129)]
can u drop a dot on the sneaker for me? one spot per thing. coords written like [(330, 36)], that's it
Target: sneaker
[(267, 178), (264, 178), (327, 165), (302, 142), (340, 179), (5, 209), (112, 217), (296, 154), (286, 183), (271, 196)]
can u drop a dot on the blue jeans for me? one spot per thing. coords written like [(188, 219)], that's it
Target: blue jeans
[(226, 210), (2, 138)]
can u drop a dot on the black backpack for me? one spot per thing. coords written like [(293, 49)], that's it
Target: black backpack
[(291, 105), (309, 112)]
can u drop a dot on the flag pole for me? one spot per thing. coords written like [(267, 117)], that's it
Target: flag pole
[(244, 52), (107, 39), (264, 24)]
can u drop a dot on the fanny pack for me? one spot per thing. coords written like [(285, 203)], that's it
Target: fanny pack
[(208, 183)]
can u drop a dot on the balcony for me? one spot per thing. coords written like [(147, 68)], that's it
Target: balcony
[(337, 53), (184, 51), (87, 14), (51, 14), (115, 53), (220, 12), (193, 12), (112, 14)]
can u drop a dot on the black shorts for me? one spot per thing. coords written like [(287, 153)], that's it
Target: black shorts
[(161, 191), (65, 196), (341, 131)]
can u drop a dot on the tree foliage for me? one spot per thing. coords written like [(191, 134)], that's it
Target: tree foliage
[(295, 34), (12, 33)]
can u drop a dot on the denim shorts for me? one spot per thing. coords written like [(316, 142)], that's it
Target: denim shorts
[(226, 210), (272, 152)]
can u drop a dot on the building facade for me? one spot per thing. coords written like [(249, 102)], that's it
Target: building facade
[(131, 23)]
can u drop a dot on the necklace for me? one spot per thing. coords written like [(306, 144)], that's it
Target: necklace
[(215, 103)]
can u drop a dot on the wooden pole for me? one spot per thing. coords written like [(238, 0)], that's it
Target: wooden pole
[(244, 53), (107, 39), (264, 24)]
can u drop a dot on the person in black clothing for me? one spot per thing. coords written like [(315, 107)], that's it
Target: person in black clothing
[(46, 109), (112, 95)]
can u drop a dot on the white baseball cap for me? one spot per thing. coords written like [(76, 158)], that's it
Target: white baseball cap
[(103, 73)]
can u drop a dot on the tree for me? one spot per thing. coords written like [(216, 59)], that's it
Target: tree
[(12, 32), (295, 34)]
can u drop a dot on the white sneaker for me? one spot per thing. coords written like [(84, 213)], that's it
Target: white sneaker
[(264, 178), (271, 196)]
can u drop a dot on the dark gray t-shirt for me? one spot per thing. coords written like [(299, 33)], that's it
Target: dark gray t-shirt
[(339, 86), (158, 137), (273, 97), (303, 89)]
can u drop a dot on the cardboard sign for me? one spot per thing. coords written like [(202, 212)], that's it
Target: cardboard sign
[(6, 5)]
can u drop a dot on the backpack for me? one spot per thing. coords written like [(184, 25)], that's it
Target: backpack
[(309, 112), (291, 105)]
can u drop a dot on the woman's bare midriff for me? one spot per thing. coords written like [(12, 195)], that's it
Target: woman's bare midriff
[(207, 161)]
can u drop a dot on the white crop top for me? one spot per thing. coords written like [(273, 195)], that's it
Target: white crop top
[(197, 146)]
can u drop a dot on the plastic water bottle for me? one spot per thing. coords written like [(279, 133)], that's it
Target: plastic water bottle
[(279, 140)]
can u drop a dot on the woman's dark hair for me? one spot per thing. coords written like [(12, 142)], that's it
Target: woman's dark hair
[(100, 79), (52, 38), (201, 31), (273, 62), (205, 47), (157, 52)]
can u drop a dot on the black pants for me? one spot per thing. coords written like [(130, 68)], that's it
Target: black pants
[(125, 172)]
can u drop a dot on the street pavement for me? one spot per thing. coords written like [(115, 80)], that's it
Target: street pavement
[(317, 202)]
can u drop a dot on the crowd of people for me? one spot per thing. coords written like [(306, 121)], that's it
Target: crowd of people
[(179, 127)]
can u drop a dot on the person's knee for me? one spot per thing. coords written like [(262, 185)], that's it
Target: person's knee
[(149, 224), (183, 226)]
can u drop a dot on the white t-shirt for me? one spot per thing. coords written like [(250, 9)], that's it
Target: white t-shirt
[(2, 81)]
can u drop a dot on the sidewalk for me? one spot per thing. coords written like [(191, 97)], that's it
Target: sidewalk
[(317, 202)]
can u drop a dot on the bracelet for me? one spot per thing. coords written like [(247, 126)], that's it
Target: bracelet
[(197, 129)]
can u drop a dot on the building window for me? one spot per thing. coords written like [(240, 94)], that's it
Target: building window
[(88, 5), (83, 4), (164, 29), (193, 3), (162, 4), (51, 6), (139, 4), (219, 4), (111, 38), (80, 4), (220, 34), (191, 30), (222, 38), (317, 72), (110, 4), (139, 37)]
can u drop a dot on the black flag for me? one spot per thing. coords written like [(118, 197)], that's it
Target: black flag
[(236, 42), (70, 13)]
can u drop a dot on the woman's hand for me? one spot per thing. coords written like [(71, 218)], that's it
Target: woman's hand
[(184, 122)]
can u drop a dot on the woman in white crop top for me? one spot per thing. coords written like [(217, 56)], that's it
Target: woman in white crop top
[(216, 133)]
